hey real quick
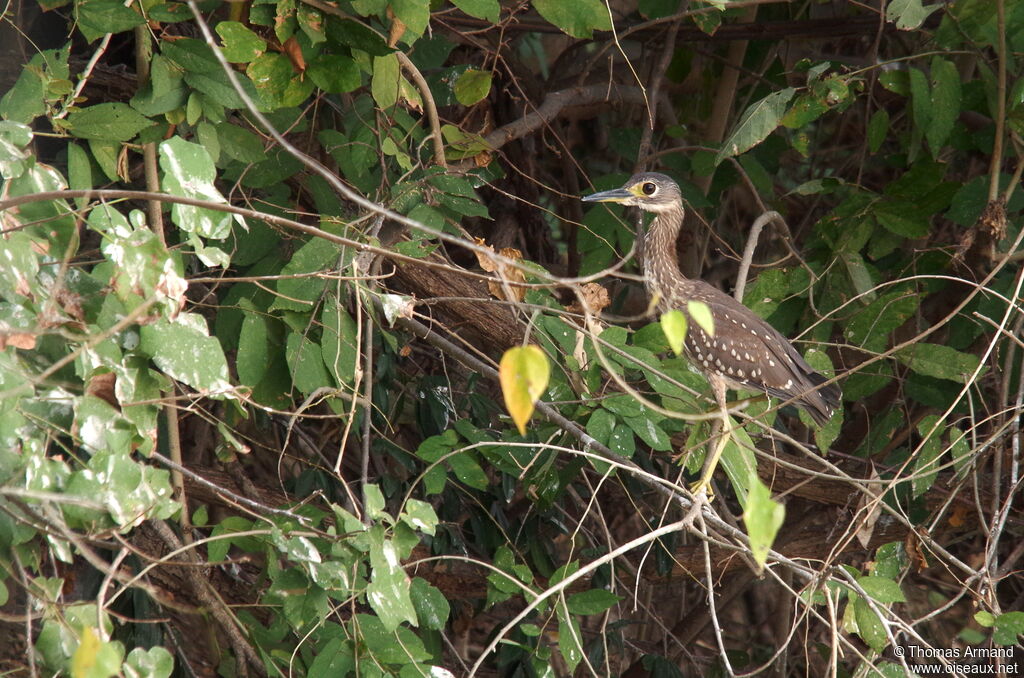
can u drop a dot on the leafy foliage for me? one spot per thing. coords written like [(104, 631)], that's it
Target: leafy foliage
[(259, 264)]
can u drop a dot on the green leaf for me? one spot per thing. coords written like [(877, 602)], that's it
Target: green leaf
[(189, 172), (96, 18), (1007, 628), (701, 315), (878, 129), (871, 327), (389, 590), (929, 450), (763, 517), (472, 86), (333, 658), (385, 83), (945, 103), (432, 608), (806, 109), (758, 121), (271, 74), (707, 22), (860, 277), (350, 33), (389, 646), (921, 105), (240, 144), (650, 432), (253, 357), (739, 462), (300, 291), (908, 15), (936, 360), (335, 73), (488, 10), (673, 324), (579, 18), (339, 341), (570, 638), (902, 218), (305, 361), (185, 351), (882, 589), (985, 618), (415, 14), (869, 626), (600, 425), (107, 122), (156, 662), (241, 45), (468, 470), (420, 515), (594, 601)]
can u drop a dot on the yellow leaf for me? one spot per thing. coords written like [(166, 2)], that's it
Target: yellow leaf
[(524, 373), (84, 658), (673, 324), (701, 315)]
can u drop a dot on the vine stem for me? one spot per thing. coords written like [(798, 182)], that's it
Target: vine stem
[(997, 144)]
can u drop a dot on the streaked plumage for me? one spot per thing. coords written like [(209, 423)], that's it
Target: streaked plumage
[(745, 351)]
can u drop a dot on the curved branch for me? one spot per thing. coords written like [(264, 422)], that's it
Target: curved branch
[(428, 101)]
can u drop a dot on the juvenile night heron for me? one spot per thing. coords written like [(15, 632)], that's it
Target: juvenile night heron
[(744, 351)]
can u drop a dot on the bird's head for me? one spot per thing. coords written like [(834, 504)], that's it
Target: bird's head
[(649, 191)]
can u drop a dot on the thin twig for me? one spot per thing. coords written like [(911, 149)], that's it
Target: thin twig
[(751, 246)]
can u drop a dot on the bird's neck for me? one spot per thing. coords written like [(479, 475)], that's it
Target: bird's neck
[(661, 262)]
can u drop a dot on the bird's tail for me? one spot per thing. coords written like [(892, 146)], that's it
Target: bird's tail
[(822, 402)]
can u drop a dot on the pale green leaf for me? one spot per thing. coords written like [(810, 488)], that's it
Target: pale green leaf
[(673, 324), (758, 121), (107, 122), (472, 86), (241, 45), (763, 517), (385, 84), (183, 350), (908, 14), (701, 314), (926, 461), (882, 589), (579, 18), (941, 362), (945, 103), (415, 14), (488, 10)]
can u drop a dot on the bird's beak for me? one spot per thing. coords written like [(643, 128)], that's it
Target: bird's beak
[(614, 195)]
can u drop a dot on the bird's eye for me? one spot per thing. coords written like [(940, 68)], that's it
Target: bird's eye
[(649, 188)]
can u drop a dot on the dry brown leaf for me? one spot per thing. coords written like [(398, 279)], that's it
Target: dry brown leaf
[(397, 29), (102, 386), (293, 51), (483, 159), (506, 272), (17, 340), (912, 545), (867, 526), (595, 296)]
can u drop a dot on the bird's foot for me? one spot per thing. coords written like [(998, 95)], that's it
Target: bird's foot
[(702, 489)]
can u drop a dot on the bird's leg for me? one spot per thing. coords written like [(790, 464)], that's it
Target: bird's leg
[(703, 485)]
